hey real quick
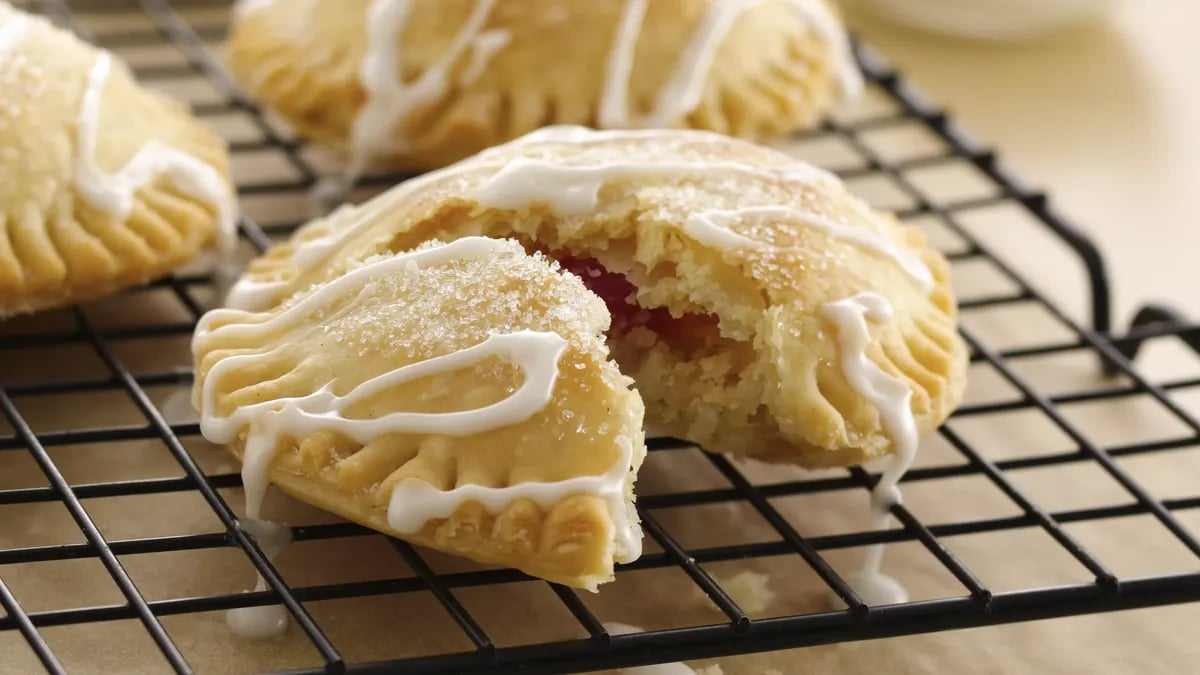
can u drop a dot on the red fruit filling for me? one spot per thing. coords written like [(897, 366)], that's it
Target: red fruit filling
[(619, 295)]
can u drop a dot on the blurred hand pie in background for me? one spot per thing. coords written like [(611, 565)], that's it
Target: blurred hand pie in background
[(423, 83), (103, 185)]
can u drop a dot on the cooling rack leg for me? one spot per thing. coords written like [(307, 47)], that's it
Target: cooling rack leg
[(1154, 314), (1098, 280)]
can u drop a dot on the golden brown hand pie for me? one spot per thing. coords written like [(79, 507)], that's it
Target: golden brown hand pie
[(422, 83), (760, 308), (103, 185), (458, 396)]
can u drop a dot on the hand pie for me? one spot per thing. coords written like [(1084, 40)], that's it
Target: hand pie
[(103, 185), (422, 83), (457, 396), (760, 308)]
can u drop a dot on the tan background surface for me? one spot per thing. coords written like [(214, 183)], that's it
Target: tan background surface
[(1100, 117), (1106, 116)]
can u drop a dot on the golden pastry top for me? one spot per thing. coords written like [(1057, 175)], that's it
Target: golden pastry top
[(419, 381)]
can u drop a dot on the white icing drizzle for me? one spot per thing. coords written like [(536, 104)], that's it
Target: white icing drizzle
[(415, 502), (389, 99), (113, 193), (575, 134), (484, 48), (617, 628), (243, 8), (270, 420), (255, 296), (412, 503), (682, 92), (13, 31), (891, 396), (613, 109), (712, 227), (573, 189), (263, 621)]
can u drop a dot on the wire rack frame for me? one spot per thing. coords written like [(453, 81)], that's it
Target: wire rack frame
[(977, 606)]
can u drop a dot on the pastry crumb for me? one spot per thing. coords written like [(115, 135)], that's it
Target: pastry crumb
[(714, 669), (750, 590)]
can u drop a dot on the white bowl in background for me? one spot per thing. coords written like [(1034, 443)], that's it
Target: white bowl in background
[(989, 19)]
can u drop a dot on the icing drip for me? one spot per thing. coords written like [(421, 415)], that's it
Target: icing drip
[(713, 228), (264, 621), (389, 99), (113, 193), (616, 628), (484, 48), (412, 503), (891, 396)]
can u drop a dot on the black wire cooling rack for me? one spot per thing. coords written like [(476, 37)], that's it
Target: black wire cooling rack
[(160, 23)]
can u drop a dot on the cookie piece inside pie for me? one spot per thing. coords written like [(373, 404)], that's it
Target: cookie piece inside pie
[(757, 304), (422, 83), (103, 185), (457, 395)]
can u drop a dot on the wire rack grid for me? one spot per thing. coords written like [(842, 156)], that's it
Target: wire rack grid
[(189, 30)]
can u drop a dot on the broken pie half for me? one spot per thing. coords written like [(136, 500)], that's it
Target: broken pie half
[(456, 395), (761, 309), (422, 83), (103, 185)]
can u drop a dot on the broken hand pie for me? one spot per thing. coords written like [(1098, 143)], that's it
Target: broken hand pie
[(760, 308), (103, 185), (422, 83), (458, 396)]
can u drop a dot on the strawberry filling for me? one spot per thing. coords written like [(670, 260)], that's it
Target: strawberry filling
[(619, 295)]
